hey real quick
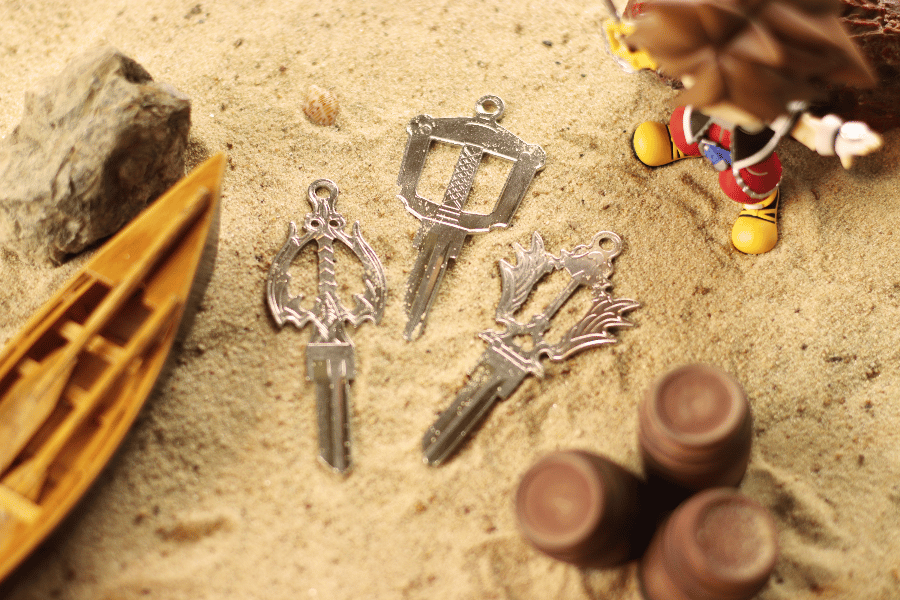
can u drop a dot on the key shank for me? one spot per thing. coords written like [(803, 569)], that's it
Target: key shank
[(330, 366), (498, 373)]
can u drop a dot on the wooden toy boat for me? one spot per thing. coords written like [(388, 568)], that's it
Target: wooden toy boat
[(74, 378)]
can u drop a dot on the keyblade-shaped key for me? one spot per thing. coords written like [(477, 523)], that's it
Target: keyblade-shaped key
[(446, 226), (330, 356), (505, 364)]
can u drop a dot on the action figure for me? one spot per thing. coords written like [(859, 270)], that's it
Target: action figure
[(749, 68)]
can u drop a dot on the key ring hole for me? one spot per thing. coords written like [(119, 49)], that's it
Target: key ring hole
[(318, 186), (489, 106), (608, 244)]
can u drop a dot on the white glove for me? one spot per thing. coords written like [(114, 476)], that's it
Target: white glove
[(855, 139), (847, 140)]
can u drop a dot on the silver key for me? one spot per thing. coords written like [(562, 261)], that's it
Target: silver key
[(446, 226), (330, 355), (505, 364)]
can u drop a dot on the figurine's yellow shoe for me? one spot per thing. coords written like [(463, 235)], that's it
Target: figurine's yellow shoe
[(653, 145), (756, 230)]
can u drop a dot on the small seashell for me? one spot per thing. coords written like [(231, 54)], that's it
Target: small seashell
[(321, 106)]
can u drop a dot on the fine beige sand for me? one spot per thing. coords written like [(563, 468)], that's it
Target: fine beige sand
[(217, 492)]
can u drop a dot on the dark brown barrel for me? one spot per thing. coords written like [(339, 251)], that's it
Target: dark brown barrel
[(582, 508), (695, 430), (718, 545)]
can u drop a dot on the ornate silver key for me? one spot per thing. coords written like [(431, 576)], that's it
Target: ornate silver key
[(330, 357), (445, 226), (505, 364)]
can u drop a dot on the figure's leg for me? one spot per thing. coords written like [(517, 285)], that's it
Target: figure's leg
[(657, 144), (756, 229)]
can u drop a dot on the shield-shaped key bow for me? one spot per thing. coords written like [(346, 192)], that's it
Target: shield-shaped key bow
[(506, 363), (330, 360)]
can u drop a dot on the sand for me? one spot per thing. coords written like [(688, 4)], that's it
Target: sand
[(217, 492)]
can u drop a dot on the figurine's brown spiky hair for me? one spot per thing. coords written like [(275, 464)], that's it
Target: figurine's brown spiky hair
[(759, 55)]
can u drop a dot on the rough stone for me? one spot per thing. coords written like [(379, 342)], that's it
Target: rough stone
[(96, 144)]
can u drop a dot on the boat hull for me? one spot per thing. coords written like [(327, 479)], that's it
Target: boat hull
[(74, 379)]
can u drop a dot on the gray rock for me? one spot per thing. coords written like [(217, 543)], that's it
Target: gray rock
[(95, 145)]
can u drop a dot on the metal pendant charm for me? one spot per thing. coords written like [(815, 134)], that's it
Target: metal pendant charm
[(445, 226), (505, 364), (330, 356)]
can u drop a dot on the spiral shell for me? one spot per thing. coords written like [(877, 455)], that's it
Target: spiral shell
[(321, 106)]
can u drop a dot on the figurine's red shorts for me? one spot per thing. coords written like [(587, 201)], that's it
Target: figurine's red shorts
[(761, 178)]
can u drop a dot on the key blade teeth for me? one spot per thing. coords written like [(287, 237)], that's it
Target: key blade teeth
[(332, 401), (332, 380), (452, 428), (434, 455), (424, 281), (440, 443), (338, 462), (443, 438), (415, 326), (440, 245)]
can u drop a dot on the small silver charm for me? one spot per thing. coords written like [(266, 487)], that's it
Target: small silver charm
[(446, 226), (330, 356), (505, 364)]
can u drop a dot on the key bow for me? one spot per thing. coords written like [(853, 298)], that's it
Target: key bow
[(324, 225), (478, 135), (587, 265)]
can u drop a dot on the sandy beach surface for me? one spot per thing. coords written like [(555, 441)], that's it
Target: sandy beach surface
[(217, 492)]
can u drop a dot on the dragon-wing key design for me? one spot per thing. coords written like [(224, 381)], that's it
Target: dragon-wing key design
[(505, 364), (330, 360), (445, 226)]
